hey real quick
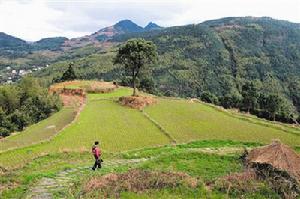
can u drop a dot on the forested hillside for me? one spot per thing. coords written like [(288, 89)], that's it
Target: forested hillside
[(219, 61), (221, 56)]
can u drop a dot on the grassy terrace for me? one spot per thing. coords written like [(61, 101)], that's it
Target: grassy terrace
[(120, 128), (190, 121)]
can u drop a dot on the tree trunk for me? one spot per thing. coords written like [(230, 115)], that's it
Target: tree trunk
[(134, 88), (133, 84)]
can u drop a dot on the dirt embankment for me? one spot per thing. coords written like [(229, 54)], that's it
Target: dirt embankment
[(137, 102), (70, 97)]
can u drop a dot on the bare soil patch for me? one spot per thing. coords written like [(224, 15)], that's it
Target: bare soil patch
[(138, 181), (137, 102)]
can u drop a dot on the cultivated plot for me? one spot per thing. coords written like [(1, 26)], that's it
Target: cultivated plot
[(186, 121)]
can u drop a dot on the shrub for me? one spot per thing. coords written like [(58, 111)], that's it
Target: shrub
[(209, 98)]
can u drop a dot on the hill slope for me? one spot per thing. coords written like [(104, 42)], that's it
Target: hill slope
[(219, 56), (216, 56), (120, 128)]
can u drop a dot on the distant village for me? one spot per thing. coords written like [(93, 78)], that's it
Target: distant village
[(10, 74)]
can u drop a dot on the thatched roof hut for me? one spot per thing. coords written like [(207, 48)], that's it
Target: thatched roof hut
[(279, 156)]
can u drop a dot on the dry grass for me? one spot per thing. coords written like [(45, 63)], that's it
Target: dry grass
[(138, 181), (245, 182), (137, 102), (82, 84)]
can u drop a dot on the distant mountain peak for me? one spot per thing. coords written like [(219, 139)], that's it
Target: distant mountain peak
[(128, 26), (125, 22), (152, 26)]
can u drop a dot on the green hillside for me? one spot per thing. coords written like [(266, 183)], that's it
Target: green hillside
[(216, 57), (219, 56)]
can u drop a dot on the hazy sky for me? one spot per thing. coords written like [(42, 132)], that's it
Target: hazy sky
[(35, 19)]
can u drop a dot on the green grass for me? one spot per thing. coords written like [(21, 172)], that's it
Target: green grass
[(201, 144), (116, 127), (205, 167), (119, 128), (40, 131), (46, 166), (186, 121), (209, 166)]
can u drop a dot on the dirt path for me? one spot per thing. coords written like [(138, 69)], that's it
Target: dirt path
[(48, 188)]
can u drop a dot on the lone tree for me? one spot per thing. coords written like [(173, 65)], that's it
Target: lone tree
[(69, 74), (135, 55)]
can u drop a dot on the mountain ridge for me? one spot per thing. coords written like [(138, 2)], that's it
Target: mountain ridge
[(59, 42)]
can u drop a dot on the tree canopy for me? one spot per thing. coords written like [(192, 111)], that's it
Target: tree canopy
[(69, 74), (25, 103), (135, 55)]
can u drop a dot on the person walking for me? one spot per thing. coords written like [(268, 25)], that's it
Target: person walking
[(97, 155)]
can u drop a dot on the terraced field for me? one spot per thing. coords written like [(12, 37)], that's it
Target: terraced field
[(120, 128), (186, 121)]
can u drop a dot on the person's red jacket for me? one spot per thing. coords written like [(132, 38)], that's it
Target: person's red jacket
[(96, 151)]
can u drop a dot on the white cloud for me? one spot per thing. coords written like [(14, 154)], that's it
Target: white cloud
[(32, 20)]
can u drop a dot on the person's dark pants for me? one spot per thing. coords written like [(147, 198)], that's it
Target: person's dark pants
[(97, 163)]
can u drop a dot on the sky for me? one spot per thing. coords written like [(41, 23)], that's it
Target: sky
[(32, 20)]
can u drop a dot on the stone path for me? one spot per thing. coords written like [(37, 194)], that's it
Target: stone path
[(46, 186)]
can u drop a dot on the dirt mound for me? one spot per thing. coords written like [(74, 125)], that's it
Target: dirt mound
[(70, 97), (278, 155), (138, 181), (137, 102), (279, 165)]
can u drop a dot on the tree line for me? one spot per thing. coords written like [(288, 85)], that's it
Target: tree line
[(271, 106), (25, 103)]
